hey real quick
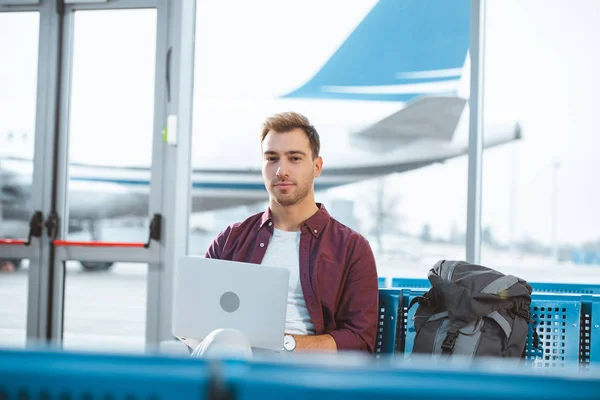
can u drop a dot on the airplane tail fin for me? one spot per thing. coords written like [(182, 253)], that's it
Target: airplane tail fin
[(402, 49)]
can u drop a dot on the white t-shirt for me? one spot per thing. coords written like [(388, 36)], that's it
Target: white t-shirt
[(284, 251)]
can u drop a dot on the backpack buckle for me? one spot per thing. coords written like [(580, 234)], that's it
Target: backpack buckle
[(450, 340)]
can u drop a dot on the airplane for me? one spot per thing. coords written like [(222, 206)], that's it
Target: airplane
[(390, 99)]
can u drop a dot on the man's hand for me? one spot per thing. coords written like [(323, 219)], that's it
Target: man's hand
[(315, 343)]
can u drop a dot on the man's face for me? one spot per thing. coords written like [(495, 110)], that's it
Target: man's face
[(288, 167)]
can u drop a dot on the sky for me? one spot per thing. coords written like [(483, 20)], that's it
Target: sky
[(541, 66)]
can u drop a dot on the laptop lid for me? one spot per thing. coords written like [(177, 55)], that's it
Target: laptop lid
[(210, 294)]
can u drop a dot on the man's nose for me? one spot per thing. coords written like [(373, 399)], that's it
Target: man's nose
[(282, 171)]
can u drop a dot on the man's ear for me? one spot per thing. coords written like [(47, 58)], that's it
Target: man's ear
[(318, 166)]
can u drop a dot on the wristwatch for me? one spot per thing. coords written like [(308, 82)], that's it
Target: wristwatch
[(289, 343)]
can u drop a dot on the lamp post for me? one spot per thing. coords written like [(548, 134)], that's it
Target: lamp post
[(513, 201), (2, 197), (1, 201), (554, 229)]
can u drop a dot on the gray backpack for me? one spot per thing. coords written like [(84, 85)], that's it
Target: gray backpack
[(471, 311)]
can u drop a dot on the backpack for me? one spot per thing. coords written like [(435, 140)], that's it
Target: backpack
[(472, 310)]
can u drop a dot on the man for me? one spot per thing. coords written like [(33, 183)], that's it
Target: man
[(333, 291)]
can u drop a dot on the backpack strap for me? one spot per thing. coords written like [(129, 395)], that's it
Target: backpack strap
[(418, 299), (437, 316), (450, 340), (500, 284), (524, 313), (425, 300), (536, 338), (504, 324)]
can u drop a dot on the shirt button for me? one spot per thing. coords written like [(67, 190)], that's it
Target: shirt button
[(262, 245), (270, 224), (315, 231)]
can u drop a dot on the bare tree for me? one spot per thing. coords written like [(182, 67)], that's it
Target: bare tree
[(383, 211)]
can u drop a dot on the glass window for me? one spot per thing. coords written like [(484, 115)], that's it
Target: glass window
[(105, 310), (540, 197), (384, 91), (19, 32), (111, 122)]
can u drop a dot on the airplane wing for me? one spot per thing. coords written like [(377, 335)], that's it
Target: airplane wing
[(398, 149), (428, 117)]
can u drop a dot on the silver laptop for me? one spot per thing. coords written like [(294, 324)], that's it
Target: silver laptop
[(210, 294)]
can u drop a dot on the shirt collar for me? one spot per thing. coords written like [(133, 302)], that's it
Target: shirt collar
[(266, 218), (315, 224)]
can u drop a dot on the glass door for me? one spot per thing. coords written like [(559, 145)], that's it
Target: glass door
[(82, 100), (21, 182), (107, 136)]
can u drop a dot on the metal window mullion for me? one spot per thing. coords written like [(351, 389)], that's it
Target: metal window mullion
[(60, 156), (114, 5), (110, 5), (19, 8), (175, 190), (107, 254), (178, 181), (41, 190), (155, 202), (12, 252), (477, 47)]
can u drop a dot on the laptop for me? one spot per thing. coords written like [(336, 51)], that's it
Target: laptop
[(211, 294)]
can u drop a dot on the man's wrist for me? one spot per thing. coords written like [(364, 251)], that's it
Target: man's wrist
[(289, 343), (321, 342)]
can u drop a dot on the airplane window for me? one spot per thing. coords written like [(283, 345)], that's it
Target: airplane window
[(111, 124), (18, 78)]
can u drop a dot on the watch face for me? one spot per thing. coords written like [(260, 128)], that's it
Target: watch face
[(289, 343)]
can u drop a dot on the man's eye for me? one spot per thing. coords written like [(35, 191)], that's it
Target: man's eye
[(296, 158), (271, 158)]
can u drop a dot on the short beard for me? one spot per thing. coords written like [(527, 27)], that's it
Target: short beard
[(301, 192)]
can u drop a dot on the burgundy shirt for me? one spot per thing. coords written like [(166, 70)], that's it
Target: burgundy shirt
[(337, 273)]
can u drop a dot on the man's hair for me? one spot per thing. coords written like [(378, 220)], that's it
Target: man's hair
[(287, 121)]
